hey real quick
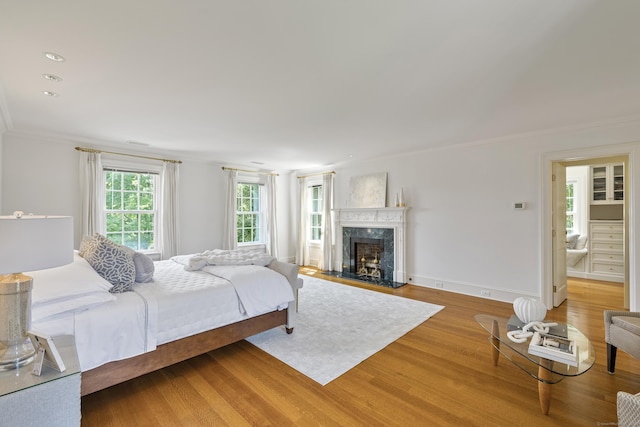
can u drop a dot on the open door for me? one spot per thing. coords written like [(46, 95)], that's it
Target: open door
[(559, 238)]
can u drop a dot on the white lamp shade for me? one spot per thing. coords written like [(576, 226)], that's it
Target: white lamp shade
[(35, 242)]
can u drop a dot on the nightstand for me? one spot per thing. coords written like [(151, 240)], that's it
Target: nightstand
[(51, 399)]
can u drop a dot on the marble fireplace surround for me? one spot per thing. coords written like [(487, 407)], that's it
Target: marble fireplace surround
[(389, 218)]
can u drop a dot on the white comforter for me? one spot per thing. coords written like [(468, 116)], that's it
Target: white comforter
[(177, 304)]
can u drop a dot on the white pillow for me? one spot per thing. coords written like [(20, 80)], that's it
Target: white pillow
[(572, 239), (70, 288), (582, 242)]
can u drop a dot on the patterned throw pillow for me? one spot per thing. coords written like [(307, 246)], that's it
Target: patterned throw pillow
[(111, 262), (85, 243)]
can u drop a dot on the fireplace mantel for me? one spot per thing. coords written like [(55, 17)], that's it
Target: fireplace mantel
[(393, 218)]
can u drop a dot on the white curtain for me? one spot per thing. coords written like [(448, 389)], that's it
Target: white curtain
[(168, 212), (302, 256), (92, 193), (326, 254), (271, 219), (230, 238)]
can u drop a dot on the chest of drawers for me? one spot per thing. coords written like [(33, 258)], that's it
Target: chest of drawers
[(606, 249)]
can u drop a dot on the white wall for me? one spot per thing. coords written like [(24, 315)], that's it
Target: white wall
[(201, 206), (463, 230), (462, 227), (286, 211), (41, 176)]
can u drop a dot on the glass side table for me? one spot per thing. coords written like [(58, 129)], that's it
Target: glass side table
[(53, 398), (546, 371)]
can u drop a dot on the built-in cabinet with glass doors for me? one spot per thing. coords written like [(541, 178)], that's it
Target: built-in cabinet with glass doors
[(607, 184)]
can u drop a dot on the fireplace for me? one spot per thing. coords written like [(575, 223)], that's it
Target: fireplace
[(375, 246), (378, 236), (365, 258)]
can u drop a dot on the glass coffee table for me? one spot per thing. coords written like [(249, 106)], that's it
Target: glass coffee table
[(546, 371)]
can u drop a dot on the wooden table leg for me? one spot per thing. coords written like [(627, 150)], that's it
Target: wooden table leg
[(544, 387), (495, 333)]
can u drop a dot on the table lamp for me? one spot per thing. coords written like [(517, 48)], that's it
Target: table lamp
[(27, 243)]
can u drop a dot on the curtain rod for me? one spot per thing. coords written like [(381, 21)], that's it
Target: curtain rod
[(92, 150), (224, 168), (316, 174)]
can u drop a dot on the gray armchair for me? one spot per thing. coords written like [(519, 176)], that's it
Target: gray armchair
[(621, 331)]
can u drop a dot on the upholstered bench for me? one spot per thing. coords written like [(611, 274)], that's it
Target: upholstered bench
[(621, 331), (290, 271)]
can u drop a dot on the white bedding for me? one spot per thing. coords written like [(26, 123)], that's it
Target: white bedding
[(189, 302), (176, 304), (115, 330), (68, 289)]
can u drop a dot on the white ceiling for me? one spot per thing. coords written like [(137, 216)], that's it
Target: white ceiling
[(301, 84)]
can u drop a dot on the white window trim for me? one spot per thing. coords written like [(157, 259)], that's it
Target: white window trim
[(581, 202), (260, 180), (141, 167), (310, 185)]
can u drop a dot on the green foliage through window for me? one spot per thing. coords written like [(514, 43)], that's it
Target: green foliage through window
[(316, 212), (248, 213), (130, 209), (570, 208)]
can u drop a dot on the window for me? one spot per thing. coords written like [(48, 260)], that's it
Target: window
[(131, 208), (249, 213), (571, 207), (316, 212)]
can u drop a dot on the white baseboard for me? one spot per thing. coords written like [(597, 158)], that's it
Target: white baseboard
[(470, 289), (592, 276), (604, 277), (578, 274)]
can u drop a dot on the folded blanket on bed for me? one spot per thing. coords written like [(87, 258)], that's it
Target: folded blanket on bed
[(259, 289), (228, 257)]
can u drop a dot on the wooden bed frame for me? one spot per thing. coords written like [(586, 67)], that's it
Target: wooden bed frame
[(164, 355)]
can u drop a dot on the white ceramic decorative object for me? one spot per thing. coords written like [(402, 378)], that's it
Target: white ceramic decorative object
[(529, 309)]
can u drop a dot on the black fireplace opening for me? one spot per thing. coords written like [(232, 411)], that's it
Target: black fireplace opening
[(366, 258)]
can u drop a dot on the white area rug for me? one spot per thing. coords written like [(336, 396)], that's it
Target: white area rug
[(339, 326)]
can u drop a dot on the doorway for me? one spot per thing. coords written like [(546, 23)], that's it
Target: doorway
[(605, 255)]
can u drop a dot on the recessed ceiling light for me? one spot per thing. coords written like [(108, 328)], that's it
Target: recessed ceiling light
[(54, 56), (49, 93), (52, 77)]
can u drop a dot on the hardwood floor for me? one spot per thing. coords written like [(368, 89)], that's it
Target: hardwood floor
[(440, 374)]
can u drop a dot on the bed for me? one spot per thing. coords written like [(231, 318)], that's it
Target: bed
[(178, 313)]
